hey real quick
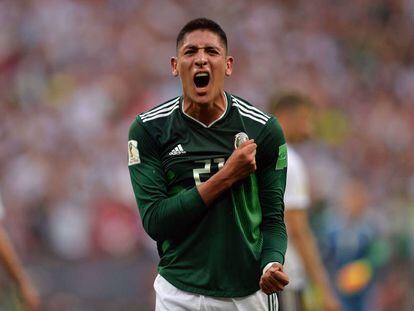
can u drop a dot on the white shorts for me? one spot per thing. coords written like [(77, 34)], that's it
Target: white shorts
[(170, 298)]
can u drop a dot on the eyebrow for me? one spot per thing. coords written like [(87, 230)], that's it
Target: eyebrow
[(195, 47)]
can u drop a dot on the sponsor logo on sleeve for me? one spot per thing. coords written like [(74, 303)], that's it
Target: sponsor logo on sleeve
[(282, 157), (133, 154)]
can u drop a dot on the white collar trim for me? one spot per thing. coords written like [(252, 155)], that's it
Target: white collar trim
[(201, 123)]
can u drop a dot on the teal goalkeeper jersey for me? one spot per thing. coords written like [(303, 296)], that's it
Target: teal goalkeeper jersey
[(218, 250)]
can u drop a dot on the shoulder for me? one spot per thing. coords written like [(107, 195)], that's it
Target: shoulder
[(154, 120), (294, 159), (255, 116), (264, 127), (161, 111), (257, 120), (296, 166), (248, 111), (297, 188), (156, 117)]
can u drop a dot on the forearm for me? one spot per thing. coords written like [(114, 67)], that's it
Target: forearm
[(271, 183), (10, 260), (168, 216), (165, 218), (304, 242), (274, 243), (273, 228), (215, 186), (240, 165)]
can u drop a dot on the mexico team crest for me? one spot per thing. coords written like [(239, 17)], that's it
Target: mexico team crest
[(133, 154), (239, 139)]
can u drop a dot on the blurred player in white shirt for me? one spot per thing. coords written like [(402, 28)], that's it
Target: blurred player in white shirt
[(294, 113)]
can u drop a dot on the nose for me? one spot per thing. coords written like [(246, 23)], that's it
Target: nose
[(201, 59)]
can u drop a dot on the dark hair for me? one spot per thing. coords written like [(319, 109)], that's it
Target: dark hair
[(202, 23), (288, 101)]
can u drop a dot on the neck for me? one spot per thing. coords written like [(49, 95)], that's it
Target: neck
[(288, 137), (287, 129), (206, 113)]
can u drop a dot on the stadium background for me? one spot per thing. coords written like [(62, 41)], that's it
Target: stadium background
[(73, 74)]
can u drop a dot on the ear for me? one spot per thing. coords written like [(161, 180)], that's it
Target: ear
[(229, 65), (174, 70)]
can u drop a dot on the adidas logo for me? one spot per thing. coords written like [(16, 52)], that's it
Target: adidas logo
[(177, 150)]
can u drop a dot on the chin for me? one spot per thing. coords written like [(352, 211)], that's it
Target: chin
[(202, 98)]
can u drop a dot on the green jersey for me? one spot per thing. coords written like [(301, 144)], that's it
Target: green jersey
[(218, 250)]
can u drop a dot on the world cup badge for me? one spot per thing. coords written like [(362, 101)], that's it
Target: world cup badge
[(133, 154)]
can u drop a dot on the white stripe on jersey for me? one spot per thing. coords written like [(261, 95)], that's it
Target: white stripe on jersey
[(250, 116), (242, 108), (159, 112), (157, 109), (251, 108), (160, 115)]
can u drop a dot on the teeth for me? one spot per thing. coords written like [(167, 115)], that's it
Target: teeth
[(202, 74)]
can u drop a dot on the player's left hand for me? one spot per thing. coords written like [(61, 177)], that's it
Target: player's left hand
[(274, 279)]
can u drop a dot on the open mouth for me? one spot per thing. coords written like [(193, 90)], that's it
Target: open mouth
[(201, 79)]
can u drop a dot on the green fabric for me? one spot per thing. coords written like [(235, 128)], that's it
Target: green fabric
[(282, 159), (217, 250)]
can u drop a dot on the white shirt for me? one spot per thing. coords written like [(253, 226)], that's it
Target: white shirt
[(1, 209), (297, 196)]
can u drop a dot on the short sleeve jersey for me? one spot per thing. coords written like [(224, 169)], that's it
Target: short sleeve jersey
[(297, 184), (1, 209), (217, 250), (297, 196)]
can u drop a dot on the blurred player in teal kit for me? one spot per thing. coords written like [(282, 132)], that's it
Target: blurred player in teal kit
[(208, 171), (355, 250)]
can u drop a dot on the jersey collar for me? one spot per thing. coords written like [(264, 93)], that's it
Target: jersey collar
[(226, 97)]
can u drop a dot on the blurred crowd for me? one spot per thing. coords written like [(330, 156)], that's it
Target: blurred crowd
[(74, 73)]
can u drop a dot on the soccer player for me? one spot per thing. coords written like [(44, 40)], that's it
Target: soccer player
[(208, 171), (294, 112), (354, 265), (10, 261)]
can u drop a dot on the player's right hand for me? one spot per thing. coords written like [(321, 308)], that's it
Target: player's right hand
[(242, 161)]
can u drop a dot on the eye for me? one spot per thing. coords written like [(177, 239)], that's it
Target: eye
[(212, 51), (189, 52)]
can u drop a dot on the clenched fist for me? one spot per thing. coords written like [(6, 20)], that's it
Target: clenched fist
[(274, 279)]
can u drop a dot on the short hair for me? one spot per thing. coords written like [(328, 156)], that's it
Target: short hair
[(203, 24), (288, 102)]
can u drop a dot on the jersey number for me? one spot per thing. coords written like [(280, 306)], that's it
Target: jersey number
[(218, 163)]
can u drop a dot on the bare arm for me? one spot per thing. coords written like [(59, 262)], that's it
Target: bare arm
[(10, 261), (302, 238)]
